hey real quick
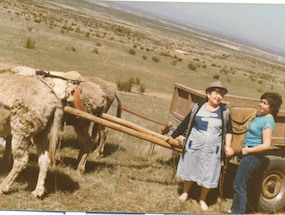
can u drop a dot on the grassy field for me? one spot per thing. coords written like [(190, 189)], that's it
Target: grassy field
[(63, 36)]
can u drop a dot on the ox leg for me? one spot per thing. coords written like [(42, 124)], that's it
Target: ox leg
[(21, 158), (43, 162), (8, 157), (86, 144), (57, 153), (103, 135)]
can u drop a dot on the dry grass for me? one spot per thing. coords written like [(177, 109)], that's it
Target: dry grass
[(126, 179)]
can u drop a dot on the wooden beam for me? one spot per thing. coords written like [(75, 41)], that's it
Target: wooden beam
[(137, 127), (122, 128)]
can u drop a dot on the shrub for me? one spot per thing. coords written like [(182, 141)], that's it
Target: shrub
[(95, 51), (38, 19), (192, 65), (124, 86), (216, 76), (138, 80), (132, 51), (98, 44), (30, 44), (71, 49), (166, 54), (141, 89), (174, 62), (252, 78), (155, 59), (131, 80), (179, 59), (144, 57)]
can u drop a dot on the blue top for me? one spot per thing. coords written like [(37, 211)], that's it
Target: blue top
[(253, 136)]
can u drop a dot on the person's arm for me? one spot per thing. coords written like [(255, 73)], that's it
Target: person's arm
[(266, 143), (228, 138), (228, 142), (180, 129)]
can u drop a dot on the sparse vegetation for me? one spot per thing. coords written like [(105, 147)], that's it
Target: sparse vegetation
[(156, 59), (95, 51), (30, 44), (141, 89), (192, 66), (132, 51), (126, 179)]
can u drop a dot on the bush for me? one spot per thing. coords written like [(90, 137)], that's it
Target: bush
[(138, 80), (192, 66), (144, 57), (30, 44), (71, 49), (132, 51), (216, 76), (174, 62), (155, 59), (124, 86), (141, 89), (95, 51), (38, 19), (179, 59)]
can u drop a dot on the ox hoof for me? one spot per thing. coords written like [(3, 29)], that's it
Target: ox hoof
[(37, 194), (80, 171), (98, 154), (3, 190)]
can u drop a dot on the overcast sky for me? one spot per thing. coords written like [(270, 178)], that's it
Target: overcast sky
[(263, 24)]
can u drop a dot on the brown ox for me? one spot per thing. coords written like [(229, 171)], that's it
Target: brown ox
[(29, 109), (96, 97), (111, 95)]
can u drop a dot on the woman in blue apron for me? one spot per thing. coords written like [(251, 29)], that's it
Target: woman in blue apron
[(208, 131)]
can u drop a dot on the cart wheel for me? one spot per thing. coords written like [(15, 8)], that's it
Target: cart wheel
[(272, 191)]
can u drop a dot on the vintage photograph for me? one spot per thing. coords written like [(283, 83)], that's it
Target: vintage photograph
[(142, 107)]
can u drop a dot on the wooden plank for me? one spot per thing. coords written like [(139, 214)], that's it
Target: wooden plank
[(122, 128)]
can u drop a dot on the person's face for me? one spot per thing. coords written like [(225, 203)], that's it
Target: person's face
[(264, 107), (215, 97)]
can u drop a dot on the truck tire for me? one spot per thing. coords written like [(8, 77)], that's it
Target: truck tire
[(272, 185)]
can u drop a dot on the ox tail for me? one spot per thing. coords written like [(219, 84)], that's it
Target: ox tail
[(119, 110), (55, 133)]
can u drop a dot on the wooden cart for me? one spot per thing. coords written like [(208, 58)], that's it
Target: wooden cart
[(272, 182)]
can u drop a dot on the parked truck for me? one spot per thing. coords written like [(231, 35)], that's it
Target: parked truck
[(270, 193)]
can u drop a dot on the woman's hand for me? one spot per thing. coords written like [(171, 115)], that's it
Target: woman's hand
[(244, 150), (229, 151), (168, 139)]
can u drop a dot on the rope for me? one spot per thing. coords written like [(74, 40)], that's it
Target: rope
[(161, 123)]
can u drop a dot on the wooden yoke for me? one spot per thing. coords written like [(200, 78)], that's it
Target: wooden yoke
[(141, 133)]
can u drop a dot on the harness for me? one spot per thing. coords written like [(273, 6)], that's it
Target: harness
[(74, 82), (64, 85)]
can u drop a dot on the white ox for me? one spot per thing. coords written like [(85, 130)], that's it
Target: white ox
[(96, 97), (29, 109)]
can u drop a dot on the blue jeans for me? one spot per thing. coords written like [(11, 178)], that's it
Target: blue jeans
[(246, 167)]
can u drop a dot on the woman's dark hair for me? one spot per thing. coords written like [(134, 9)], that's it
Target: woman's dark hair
[(274, 100)]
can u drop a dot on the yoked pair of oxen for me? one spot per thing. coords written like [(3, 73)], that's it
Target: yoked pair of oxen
[(31, 109)]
